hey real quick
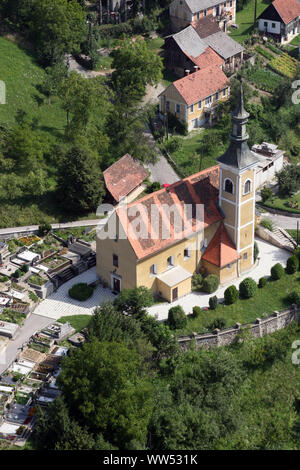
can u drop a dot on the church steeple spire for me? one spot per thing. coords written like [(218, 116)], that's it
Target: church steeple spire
[(238, 155)]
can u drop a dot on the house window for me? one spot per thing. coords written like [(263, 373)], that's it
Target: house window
[(245, 256), (153, 269), (208, 101), (228, 186), (217, 96), (177, 108), (204, 12), (224, 92), (116, 261), (168, 105), (247, 187), (230, 3), (200, 105), (229, 266), (198, 15), (265, 24), (187, 253), (192, 108), (273, 25), (170, 261)]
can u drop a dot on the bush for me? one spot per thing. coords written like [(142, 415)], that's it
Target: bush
[(210, 283), (247, 288), (44, 228), (292, 264), (266, 193), (25, 268), (219, 323), (297, 253), (173, 144), (196, 311), (256, 251), (177, 318), (268, 224), (294, 298), (277, 271), (155, 186), (18, 273), (81, 291), (197, 281), (262, 282), (3, 278), (231, 295), (213, 302)]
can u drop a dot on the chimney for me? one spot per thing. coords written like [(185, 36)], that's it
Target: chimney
[(187, 72), (196, 67)]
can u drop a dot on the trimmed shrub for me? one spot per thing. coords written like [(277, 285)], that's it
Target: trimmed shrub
[(231, 295), (81, 291), (219, 323), (196, 311), (213, 302), (277, 271), (262, 282), (210, 283), (176, 318), (25, 268), (256, 251), (197, 281), (294, 298), (3, 278), (247, 288), (18, 273), (292, 264)]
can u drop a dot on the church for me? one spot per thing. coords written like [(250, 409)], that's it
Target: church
[(222, 243)]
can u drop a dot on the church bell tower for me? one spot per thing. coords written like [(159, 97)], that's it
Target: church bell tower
[(237, 188)]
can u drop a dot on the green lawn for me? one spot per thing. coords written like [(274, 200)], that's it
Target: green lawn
[(272, 297), (76, 321), (296, 40), (22, 77), (245, 18), (188, 157), (289, 204)]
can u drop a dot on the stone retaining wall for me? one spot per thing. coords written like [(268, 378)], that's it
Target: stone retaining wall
[(275, 322)]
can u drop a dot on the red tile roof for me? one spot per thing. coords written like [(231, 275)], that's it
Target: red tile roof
[(201, 84), (124, 176), (287, 9), (221, 250), (201, 188), (209, 58)]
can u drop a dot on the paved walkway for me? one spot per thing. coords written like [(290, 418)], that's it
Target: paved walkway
[(59, 304), (268, 254), (34, 228), (31, 325)]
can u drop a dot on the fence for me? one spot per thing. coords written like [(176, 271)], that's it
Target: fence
[(261, 327)]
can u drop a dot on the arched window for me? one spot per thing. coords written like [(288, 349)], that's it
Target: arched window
[(247, 187), (228, 186)]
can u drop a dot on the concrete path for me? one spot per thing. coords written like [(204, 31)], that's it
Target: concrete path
[(60, 304), (268, 256), (31, 325), (34, 228), (161, 171), (282, 221)]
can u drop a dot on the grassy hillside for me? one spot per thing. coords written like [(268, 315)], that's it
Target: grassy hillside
[(22, 77), (245, 18)]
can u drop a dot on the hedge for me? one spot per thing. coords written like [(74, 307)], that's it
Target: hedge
[(213, 302), (196, 311), (210, 283), (277, 271), (292, 264), (247, 288), (177, 318), (262, 282), (81, 291), (231, 295)]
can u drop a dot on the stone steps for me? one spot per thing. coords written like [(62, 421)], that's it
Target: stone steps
[(286, 239)]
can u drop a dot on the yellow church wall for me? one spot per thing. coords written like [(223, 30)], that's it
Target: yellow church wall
[(246, 213), (246, 236), (245, 265), (225, 274), (229, 211)]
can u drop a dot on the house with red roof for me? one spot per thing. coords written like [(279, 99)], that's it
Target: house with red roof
[(124, 178), (194, 98), (203, 223), (281, 20)]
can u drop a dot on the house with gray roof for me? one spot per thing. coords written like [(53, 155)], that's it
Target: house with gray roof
[(184, 12), (231, 51)]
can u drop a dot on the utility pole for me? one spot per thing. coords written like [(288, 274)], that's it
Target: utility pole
[(255, 13), (297, 233), (100, 12)]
